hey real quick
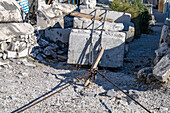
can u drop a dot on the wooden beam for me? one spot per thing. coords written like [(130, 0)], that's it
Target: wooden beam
[(94, 66), (49, 2), (83, 15), (62, 57), (98, 59)]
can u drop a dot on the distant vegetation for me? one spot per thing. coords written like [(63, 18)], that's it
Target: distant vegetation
[(140, 15)]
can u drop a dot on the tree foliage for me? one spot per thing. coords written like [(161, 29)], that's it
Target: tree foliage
[(139, 13)]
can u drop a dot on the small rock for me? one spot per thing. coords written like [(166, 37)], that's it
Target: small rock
[(134, 106), (48, 51), (162, 51), (164, 44), (23, 53), (43, 43), (41, 57), (150, 78), (24, 74), (11, 54), (2, 62), (161, 70), (4, 56), (125, 103), (144, 72), (18, 63), (60, 52), (5, 66), (1, 55), (29, 64), (111, 93), (164, 109), (3, 46), (9, 66), (54, 47)]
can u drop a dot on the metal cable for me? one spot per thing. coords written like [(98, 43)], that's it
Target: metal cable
[(32, 103), (91, 51), (123, 91)]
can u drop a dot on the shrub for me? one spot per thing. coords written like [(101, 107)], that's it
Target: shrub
[(139, 14)]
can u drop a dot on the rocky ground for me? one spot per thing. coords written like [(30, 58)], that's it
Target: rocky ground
[(23, 80)]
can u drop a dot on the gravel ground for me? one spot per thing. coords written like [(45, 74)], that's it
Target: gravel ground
[(23, 80), (21, 83)]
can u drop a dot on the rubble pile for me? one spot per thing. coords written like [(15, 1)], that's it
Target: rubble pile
[(52, 38), (49, 50), (16, 39), (161, 69)]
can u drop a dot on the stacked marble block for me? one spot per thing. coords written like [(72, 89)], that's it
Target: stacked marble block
[(53, 15), (113, 38), (16, 38)]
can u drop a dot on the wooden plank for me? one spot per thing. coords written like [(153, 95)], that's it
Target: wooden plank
[(62, 57), (83, 15)]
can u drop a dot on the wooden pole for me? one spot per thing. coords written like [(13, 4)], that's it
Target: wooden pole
[(83, 15), (94, 66), (98, 59), (49, 2)]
